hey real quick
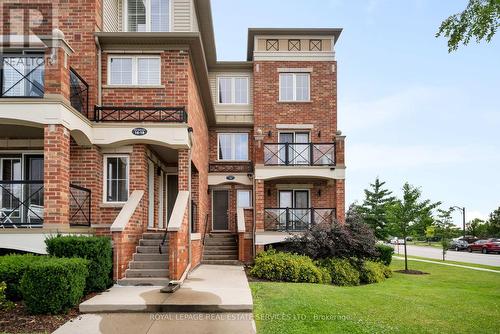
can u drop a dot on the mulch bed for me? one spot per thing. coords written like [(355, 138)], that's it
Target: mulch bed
[(411, 272), (18, 320)]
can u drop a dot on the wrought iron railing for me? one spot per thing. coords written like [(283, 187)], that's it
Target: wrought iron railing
[(79, 93), (140, 114), (22, 204), (296, 219), (79, 205), (296, 154), (230, 167), (22, 75)]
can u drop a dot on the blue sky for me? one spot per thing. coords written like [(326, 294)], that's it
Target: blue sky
[(410, 111)]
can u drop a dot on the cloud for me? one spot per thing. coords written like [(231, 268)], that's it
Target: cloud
[(469, 215)]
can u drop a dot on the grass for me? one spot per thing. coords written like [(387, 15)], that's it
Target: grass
[(475, 265), (449, 300), (435, 244)]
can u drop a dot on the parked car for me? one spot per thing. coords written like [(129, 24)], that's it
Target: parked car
[(485, 246), (459, 244)]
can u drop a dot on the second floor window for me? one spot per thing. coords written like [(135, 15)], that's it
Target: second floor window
[(233, 90), (233, 146), (147, 15), (294, 87), (134, 70)]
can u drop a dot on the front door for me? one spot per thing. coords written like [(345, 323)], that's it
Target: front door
[(220, 200), (172, 191)]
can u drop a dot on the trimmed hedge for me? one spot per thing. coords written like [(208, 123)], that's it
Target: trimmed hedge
[(372, 272), (12, 269), (342, 272), (95, 249), (5, 304), (55, 285), (384, 253), (288, 267)]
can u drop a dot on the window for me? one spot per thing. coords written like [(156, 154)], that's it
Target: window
[(116, 174), (233, 90), (134, 70), (147, 15), (294, 86), (243, 198), (233, 146)]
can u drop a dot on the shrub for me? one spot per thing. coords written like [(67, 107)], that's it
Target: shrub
[(342, 272), (335, 240), (387, 271), (384, 254), (12, 269), (287, 267), (54, 285), (372, 272), (5, 304), (95, 249)]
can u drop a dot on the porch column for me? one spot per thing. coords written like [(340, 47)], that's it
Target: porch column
[(340, 184), (56, 151), (259, 205)]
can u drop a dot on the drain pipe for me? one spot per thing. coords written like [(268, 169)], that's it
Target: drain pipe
[(99, 70)]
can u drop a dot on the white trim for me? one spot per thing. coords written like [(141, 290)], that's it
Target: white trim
[(135, 71), (148, 16), (233, 89), (161, 200), (294, 87), (127, 211), (105, 177), (233, 148), (151, 194), (295, 70), (293, 127)]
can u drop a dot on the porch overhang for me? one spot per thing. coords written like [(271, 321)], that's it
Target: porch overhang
[(215, 179), (314, 172)]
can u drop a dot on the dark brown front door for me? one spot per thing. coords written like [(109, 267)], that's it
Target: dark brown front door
[(220, 200)]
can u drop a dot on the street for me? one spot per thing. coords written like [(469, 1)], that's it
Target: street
[(436, 253)]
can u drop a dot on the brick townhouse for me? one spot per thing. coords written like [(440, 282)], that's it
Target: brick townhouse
[(116, 118)]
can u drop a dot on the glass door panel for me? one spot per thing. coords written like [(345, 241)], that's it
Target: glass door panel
[(11, 194), (301, 152)]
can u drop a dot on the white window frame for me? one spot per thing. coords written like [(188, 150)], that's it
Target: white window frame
[(105, 177), (233, 149), (233, 89), (148, 16), (135, 70), (294, 86), (249, 191)]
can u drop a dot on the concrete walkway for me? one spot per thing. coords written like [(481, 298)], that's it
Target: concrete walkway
[(214, 299), (449, 264)]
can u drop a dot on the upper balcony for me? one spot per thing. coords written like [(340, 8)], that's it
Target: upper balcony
[(299, 154)]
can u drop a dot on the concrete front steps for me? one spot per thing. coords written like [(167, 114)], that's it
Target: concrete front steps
[(220, 248), (148, 267)]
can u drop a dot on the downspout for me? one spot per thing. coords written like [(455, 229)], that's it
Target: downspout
[(99, 72), (190, 207), (254, 218)]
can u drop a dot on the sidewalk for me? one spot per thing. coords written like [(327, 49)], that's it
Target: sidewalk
[(449, 264)]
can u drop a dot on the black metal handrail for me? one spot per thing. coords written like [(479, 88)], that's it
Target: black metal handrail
[(140, 114), (22, 75), (80, 205), (299, 154), (79, 93), (296, 219), (230, 167)]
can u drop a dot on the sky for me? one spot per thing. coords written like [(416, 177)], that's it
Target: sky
[(411, 112)]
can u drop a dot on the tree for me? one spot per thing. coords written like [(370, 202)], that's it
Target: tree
[(444, 227), (494, 223), (409, 210), (374, 208), (480, 20), (430, 232), (474, 226)]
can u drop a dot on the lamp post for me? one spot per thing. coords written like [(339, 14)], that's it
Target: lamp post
[(462, 210)]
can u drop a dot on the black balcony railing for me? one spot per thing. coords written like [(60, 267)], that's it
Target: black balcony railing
[(22, 204), (230, 167), (297, 154), (296, 219), (22, 75), (79, 205), (79, 93), (140, 114)]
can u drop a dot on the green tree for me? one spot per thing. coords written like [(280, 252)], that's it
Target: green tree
[(474, 226), (430, 232), (374, 208), (405, 212), (444, 228), (494, 223), (480, 20)]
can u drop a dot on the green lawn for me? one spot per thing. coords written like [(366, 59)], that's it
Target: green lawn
[(449, 300)]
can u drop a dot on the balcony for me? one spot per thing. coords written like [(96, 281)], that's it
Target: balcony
[(230, 167), (22, 204), (23, 76), (299, 154), (79, 93), (296, 219), (140, 114)]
